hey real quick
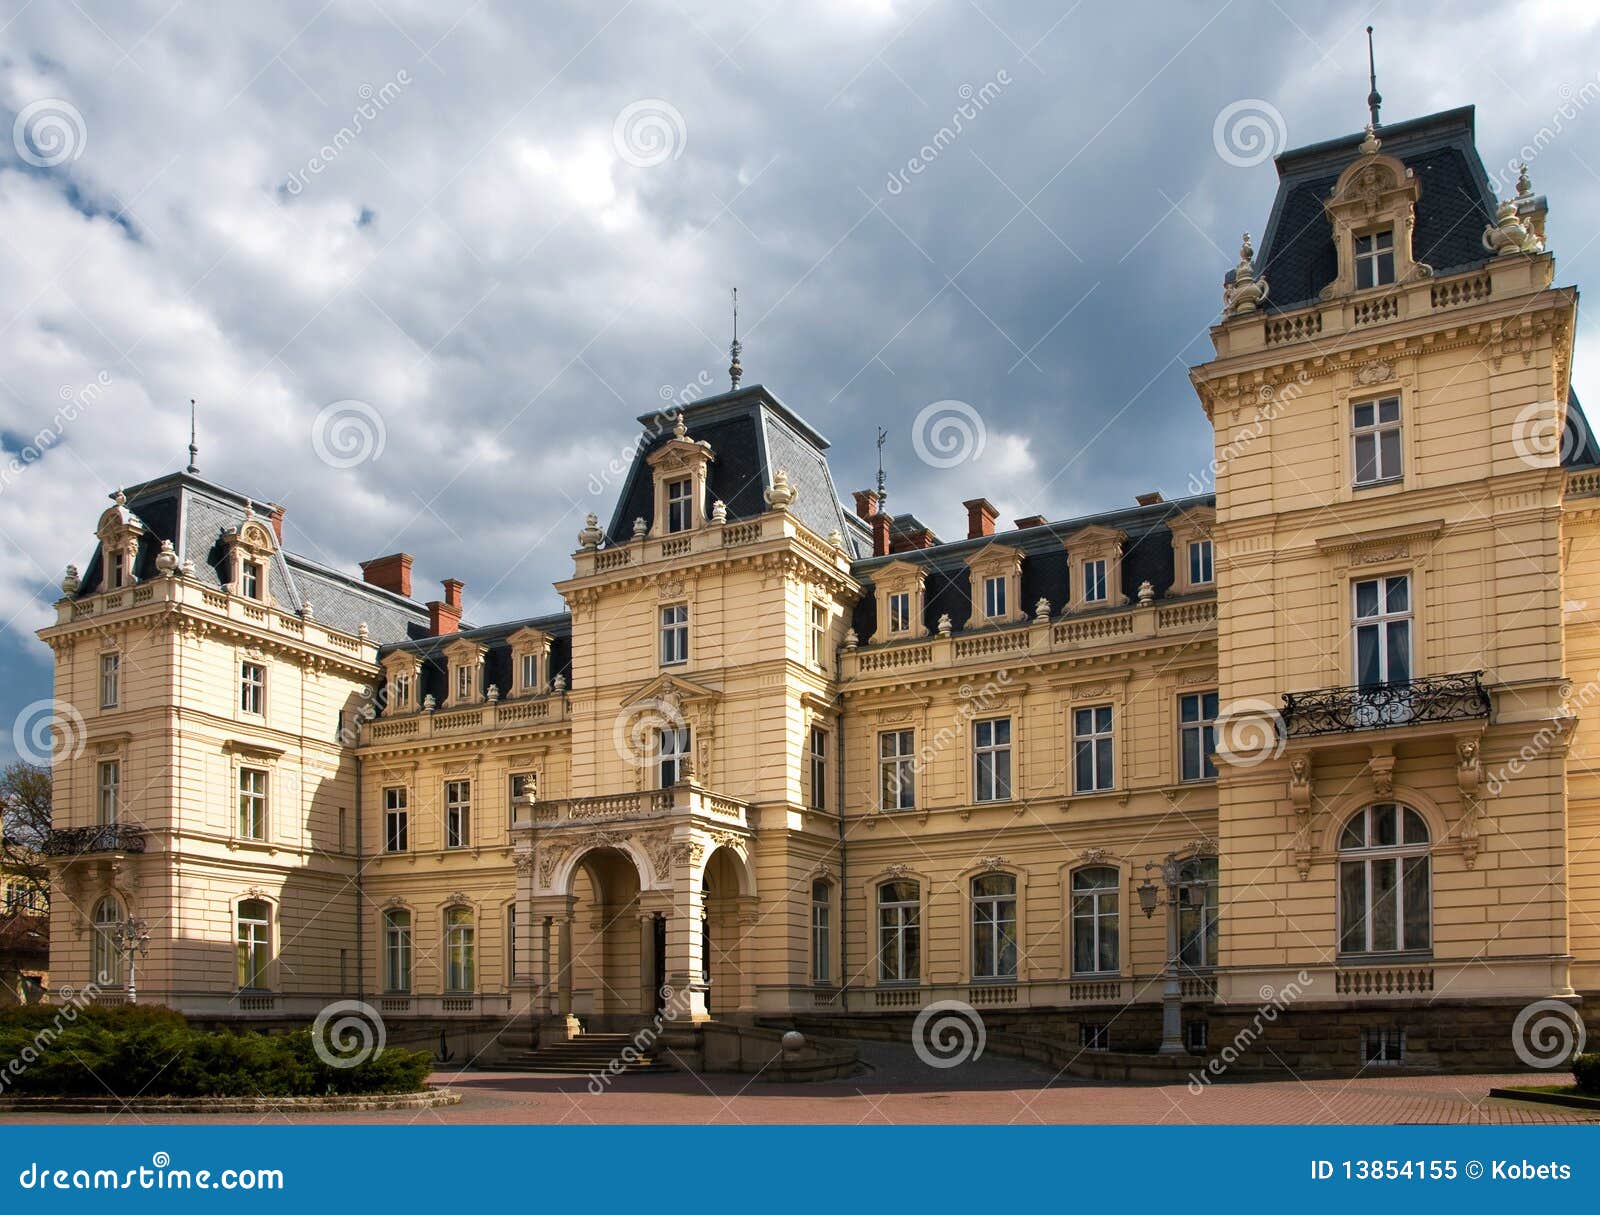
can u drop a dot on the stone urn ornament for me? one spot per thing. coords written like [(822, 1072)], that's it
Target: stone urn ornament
[(1247, 292)]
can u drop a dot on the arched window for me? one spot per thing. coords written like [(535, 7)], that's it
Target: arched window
[(899, 932), (460, 950), (1385, 895), (994, 926), (1096, 920), (105, 958), (255, 942), (821, 932), (397, 951), (1197, 922)]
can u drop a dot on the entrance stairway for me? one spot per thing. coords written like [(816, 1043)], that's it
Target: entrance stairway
[(587, 1054)]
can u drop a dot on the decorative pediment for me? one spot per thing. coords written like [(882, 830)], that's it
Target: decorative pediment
[(464, 652), (670, 687), (1379, 545), (528, 638), (1193, 522), (1096, 538), (992, 558), (1374, 193), (899, 575)]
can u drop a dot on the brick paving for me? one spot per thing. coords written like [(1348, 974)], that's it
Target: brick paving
[(900, 1092)]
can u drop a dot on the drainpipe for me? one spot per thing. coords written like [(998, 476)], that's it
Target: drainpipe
[(361, 913)]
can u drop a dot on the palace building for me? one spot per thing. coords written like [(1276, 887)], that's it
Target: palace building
[(1116, 782)]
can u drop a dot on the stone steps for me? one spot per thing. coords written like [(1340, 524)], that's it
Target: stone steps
[(587, 1054)]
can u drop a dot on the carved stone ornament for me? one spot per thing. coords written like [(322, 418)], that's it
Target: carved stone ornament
[(896, 872), (1469, 780), (1381, 768), (782, 494), (1374, 372), (1096, 856), (1300, 784), (1246, 292), (987, 864)]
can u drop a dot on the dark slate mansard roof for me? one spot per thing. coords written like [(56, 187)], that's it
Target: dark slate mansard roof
[(1297, 255), (194, 514), (1146, 557), (752, 434), (434, 678)]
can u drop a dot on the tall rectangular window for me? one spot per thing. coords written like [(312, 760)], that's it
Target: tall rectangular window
[(994, 597), (673, 747), (250, 580), (1376, 427), (819, 634), (397, 951), (1199, 562), (1375, 259), (899, 612), (396, 819), (1197, 735), (818, 792), (821, 933), (252, 688), (110, 680), (680, 505), (511, 940), (991, 759), (897, 780), (457, 813), (1092, 769), (1094, 581), (464, 683), (1383, 631), (899, 932), (109, 792), (530, 672), (675, 634), (253, 803), (994, 926)]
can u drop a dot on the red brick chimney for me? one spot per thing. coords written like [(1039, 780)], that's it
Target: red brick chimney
[(276, 514), (981, 515), (880, 533), (866, 503), (391, 573), (444, 617)]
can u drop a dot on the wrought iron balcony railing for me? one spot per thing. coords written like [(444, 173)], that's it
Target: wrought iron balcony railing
[(1380, 706), (109, 837)]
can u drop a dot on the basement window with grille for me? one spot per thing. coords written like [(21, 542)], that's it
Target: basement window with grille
[(1383, 1046), (1196, 1036), (1094, 1035)]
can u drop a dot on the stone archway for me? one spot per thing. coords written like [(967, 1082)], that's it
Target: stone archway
[(603, 964), (727, 934)]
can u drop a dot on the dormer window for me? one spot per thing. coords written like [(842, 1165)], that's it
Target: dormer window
[(530, 672), (250, 579), (1375, 259), (463, 683), (465, 659), (899, 612), (994, 597), (680, 505), (1199, 562), (117, 571), (1094, 581), (400, 696)]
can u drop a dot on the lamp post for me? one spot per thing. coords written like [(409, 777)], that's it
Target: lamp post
[(1178, 893), (133, 941)]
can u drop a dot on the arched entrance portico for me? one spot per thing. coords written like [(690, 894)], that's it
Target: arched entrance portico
[(728, 923)]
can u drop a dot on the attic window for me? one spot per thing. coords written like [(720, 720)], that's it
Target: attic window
[(680, 515), (1375, 259), (250, 579), (899, 612), (116, 570)]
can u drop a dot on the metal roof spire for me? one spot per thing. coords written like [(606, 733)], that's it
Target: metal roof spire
[(883, 492), (194, 451), (734, 370), (1374, 98)]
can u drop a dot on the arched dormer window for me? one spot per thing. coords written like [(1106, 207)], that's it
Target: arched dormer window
[(119, 532), (530, 661), (250, 547), (1385, 881), (680, 469)]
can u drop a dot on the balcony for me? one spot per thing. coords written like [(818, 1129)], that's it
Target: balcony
[(82, 841), (1436, 698), (684, 800)]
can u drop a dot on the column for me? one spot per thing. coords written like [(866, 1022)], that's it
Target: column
[(564, 927), (685, 955), (749, 919), (648, 979)]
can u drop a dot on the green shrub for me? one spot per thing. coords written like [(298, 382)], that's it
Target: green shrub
[(1587, 1070), (148, 1051)]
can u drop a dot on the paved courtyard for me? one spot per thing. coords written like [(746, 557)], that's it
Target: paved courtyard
[(898, 1090)]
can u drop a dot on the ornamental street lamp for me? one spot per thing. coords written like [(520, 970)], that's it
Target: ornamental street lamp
[(133, 941), (1179, 893)]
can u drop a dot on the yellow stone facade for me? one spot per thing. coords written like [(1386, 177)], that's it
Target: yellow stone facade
[(794, 761)]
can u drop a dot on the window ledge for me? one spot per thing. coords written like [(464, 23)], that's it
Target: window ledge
[(1383, 959)]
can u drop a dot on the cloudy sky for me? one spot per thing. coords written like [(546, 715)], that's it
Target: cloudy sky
[(526, 235)]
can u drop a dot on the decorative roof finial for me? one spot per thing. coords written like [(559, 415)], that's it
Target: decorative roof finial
[(194, 451), (734, 370), (883, 492), (1524, 183), (1374, 98)]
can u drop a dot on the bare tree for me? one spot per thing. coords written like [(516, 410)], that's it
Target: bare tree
[(25, 799)]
